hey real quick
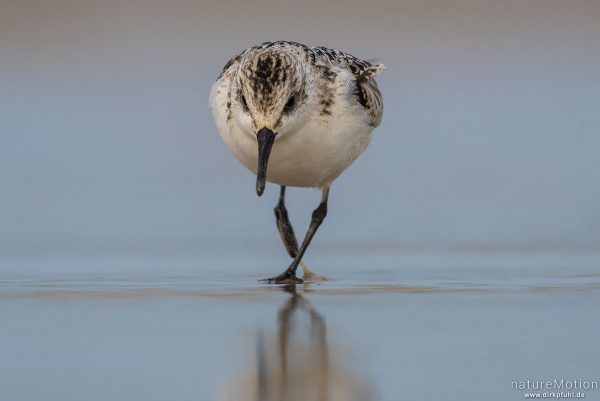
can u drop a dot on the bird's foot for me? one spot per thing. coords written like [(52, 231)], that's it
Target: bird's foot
[(309, 276), (287, 277)]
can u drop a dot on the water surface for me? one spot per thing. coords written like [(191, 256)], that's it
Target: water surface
[(395, 324)]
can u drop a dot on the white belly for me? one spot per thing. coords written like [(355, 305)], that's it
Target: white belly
[(314, 156)]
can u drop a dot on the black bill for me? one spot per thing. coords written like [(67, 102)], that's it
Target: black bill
[(265, 138)]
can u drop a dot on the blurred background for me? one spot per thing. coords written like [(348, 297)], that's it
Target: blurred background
[(490, 136), (463, 245)]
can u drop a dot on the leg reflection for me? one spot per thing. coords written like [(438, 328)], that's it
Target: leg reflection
[(295, 363)]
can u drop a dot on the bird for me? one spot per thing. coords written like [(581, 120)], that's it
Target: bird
[(296, 115)]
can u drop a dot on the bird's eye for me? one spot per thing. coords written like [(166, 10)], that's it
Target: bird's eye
[(243, 100), (290, 104)]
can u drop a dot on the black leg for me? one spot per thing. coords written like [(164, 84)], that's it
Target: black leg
[(284, 226), (318, 216), (286, 231)]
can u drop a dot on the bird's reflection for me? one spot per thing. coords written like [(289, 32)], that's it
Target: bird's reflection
[(295, 363)]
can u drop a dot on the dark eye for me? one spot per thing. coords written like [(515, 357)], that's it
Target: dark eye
[(243, 100), (290, 104)]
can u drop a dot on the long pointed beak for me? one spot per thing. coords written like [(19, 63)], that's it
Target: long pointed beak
[(265, 138)]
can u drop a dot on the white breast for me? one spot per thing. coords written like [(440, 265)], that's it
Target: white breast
[(314, 155)]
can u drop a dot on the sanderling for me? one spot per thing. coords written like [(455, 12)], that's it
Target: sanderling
[(307, 112)]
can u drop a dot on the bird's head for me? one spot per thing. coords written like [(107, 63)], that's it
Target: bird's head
[(271, 100)]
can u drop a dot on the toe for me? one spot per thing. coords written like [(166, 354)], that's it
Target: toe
[(285, 278)]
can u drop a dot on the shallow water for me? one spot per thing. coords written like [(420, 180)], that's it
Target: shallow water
[(388, 324)]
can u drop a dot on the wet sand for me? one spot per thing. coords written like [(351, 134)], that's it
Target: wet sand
[(398, 324)]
